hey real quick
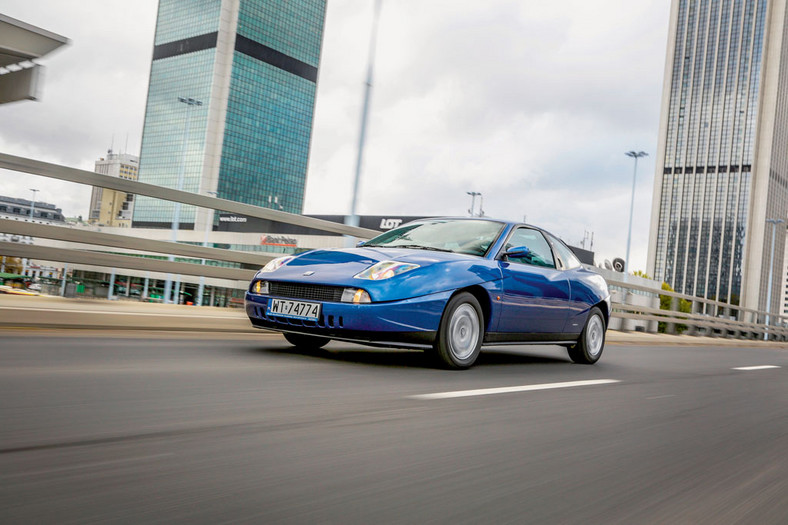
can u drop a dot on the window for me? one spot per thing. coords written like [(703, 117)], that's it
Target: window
[(566, 258), (540, 253)]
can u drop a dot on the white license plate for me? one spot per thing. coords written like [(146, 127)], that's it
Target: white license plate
[(294, 309)]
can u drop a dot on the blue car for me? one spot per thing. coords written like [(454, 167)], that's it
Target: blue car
[(446, 285)]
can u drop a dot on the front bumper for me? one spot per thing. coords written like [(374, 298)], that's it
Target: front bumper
[(410, 323)]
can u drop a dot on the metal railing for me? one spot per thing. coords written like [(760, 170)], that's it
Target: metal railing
[(637, 307), (706, 317), (77, 253)]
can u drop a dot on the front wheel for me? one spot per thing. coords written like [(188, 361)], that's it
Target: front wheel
[(589, 347), (306, 341), (460, 332)]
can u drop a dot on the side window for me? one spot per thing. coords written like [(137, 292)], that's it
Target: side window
[(568, 259), (540, 254)]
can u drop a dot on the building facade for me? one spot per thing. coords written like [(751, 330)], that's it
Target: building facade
[(722, 159), (110, 207), (24, 210), (12, 208), (230, 104)]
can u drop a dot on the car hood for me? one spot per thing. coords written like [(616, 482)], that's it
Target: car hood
[(438, 271)]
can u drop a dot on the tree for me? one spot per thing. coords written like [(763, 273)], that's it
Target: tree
[(665, 303)]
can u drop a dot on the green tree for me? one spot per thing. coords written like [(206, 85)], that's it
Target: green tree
[(665, 302)]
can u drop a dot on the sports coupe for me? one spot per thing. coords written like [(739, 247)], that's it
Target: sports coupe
[(446, 285)]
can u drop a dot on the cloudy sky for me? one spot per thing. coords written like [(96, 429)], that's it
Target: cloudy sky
[(530, 102)]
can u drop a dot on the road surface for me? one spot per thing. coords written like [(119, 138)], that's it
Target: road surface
[(106, 427)]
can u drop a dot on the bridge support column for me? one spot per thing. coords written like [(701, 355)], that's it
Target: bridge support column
[(674, 306)]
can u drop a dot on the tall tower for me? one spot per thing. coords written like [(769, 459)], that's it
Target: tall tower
[(722, 159), (230, 104), (111, 207)]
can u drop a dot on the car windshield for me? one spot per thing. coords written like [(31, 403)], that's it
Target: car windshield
[(472, 237)]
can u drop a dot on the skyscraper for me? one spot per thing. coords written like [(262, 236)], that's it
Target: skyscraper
[(722, 159), (230, 104)]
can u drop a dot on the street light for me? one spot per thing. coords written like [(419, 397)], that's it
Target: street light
[(208, 228), (273, 201), (352, 219), (176, 221), (774, 223), (33, 205), (635, 155), (473, 195), (32, 214)]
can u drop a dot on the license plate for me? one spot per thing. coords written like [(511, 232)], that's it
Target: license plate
[(294, 309)]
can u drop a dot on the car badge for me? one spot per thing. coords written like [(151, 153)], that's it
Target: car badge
[(310, 272)]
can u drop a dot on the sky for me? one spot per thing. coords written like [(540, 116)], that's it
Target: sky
[(531, 103)]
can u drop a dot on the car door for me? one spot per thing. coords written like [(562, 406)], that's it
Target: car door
[(582, 296), (535, 293)]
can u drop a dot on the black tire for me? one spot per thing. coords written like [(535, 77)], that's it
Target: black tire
[(306, 341), (589, 347), (460, 333)]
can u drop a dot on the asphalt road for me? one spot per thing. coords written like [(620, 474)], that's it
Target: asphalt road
[(239, 429)]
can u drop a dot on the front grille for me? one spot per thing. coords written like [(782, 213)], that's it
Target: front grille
[(308, 292)]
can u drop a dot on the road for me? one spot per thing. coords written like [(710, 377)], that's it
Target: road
[(239, 428)]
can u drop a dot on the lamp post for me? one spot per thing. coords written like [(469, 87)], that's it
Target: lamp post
[(473, 195), (635, 155), (774, 223), (208, 228), (176, 220), (352, 219), (32, 214), (33, 204)]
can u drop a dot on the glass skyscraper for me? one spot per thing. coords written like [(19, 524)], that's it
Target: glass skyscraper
[(721, 161), (230, 104)]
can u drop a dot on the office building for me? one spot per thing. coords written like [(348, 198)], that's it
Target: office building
[(13, 208), (722, 158), (230, 104), (110, 207)]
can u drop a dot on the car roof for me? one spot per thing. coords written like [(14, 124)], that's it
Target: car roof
[(489, 219)]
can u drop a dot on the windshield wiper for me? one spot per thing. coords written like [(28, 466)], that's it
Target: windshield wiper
[(420, 247)]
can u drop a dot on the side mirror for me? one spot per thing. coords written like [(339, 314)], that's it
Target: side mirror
[(518, 251), (359, 244)]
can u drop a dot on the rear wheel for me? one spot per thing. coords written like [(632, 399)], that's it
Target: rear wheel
[(461, 332), (589, 347), (306, 341)]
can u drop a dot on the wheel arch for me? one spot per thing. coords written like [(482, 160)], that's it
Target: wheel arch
[(603, 307), (483, 297)]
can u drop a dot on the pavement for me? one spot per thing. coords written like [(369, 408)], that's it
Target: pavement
[(44, 312)]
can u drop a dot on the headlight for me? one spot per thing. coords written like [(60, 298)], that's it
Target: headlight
[(260, 287), (276, 263), (385, 270), (355, 296)]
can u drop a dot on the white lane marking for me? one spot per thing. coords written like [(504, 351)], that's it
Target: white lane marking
[(510, 389), (762, 367)]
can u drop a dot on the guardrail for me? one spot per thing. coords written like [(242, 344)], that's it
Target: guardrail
[(706, 317), (637, 307), (76, 238), (55, 171)]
